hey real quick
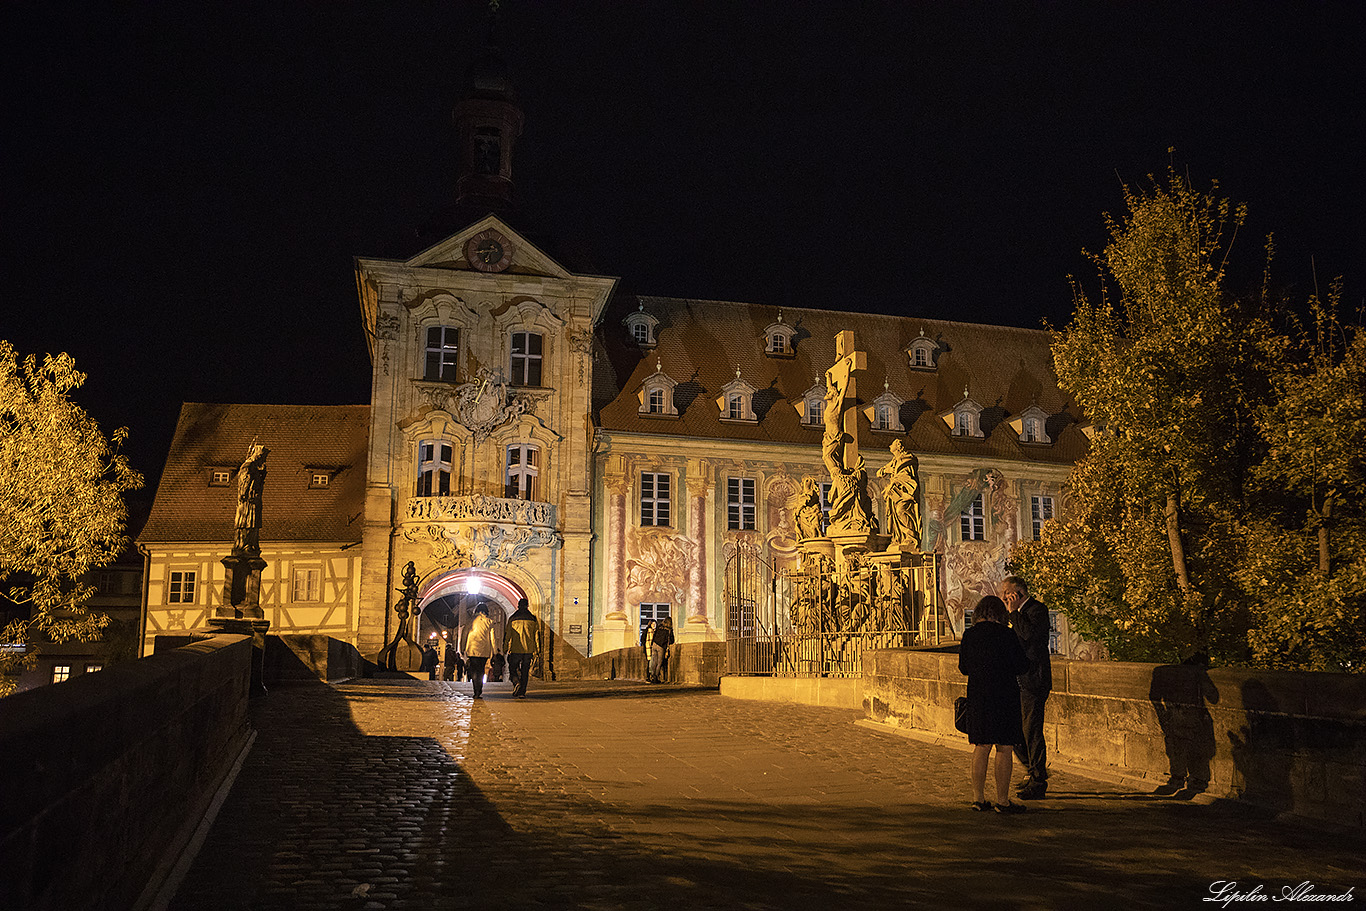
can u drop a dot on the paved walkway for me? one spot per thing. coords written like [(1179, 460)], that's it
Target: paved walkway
[(614, 795)]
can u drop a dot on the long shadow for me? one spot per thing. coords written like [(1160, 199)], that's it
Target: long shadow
[(1179, 696)]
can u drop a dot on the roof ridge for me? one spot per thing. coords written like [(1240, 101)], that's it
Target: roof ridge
[(847, 313)]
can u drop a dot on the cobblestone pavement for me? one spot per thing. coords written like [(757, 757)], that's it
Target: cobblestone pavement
[(612, 795)]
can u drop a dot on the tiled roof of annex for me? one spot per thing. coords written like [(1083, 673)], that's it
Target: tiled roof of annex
[(303, 440), (701, 343)]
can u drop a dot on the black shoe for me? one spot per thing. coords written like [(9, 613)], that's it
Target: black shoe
[(1010, 808), (981, 806), (1035, 790)]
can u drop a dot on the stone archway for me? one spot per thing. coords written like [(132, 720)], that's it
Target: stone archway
[(446, 602)]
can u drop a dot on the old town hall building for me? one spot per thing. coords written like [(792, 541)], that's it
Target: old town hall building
[(533, 433)]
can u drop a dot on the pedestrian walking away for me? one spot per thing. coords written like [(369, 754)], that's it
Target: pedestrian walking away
[(521, 643), (429, 661), (1029, 619), (991, 656), (479, 647), (448, 661)]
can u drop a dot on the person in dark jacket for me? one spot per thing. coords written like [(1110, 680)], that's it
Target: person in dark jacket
[(521, 643), (991, 657), (1029, 619), (429, 661), (448, 661), (659, 650)]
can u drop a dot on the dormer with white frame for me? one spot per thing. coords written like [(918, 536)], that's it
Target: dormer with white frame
[(736, 401), (1029, 425), (811, 407), (641, 326), (778, 338), (923, 353), (884, 414), (964, 419), (657, 395)]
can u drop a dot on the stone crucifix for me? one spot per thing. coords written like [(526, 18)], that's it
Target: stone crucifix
[(842, 393), (851, 512)]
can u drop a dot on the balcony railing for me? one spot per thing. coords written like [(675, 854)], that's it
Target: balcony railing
[(478, 508)]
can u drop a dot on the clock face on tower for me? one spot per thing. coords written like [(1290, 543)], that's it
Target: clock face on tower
[(489, 251)]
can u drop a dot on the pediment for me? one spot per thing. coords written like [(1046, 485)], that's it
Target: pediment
[(524, 257)]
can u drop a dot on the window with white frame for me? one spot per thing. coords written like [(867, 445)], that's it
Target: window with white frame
[(523, 472), (443, 348), (920, 357), (815, 411), (973, 522), (1040, 511), (220, 477), (526, 358), (735, 407), (652, 612), (640, 331), (962, 423), (740, 504), (1033, 430), (655, 404), (884, 419), (307, 583), (434, 468), (108, 583), (180, 589), (319, 479), (61, 672), (654, 498)]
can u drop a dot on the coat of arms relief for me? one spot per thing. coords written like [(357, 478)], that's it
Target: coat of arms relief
[(482, 405)]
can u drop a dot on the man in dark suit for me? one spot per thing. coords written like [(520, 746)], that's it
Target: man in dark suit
[(1029, 619)]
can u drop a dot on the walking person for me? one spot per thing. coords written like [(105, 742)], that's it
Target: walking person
[(479, 647), (647, 635), (991, 657), (521, 642), (1029, 619), (659, 650), (448, 659), (429, 661)]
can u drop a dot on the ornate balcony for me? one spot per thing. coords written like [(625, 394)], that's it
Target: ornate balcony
[(481, 509)]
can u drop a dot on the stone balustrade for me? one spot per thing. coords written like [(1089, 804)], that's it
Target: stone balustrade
[(478, 508)]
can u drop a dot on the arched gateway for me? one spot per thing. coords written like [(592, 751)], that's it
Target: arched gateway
[(446, 601)]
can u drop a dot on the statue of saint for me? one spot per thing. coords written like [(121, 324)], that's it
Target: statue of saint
[(251, 477), (809, 513), (851, 510), (903, 496)]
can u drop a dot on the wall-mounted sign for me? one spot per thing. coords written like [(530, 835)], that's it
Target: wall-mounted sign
[(576, 627)]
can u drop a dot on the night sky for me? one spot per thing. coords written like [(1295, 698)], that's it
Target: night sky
[(185, 187)]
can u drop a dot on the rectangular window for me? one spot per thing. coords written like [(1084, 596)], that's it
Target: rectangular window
[(973, 522), (1040, 511), (656, 401), (740, 504), (108, 583), (523, 471), (735, 407), (220, 477), (61, 672), (884, 417), (641, 333), (962, 424), (307, 583), (320, 479), (1054, 646), (815, 410), (443, 348), (654, 498), (434, 468), (92, 668), (181, 589), (526, 359), (653, 612)]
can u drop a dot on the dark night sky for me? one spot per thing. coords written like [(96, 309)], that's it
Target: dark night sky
[(185, 187)]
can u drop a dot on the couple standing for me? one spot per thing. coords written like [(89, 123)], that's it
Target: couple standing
[(521, 643), (1005, 657)]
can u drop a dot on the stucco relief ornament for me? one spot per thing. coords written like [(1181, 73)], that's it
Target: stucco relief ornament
[(482, 405)]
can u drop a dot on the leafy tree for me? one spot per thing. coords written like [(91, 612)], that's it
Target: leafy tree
[(1172, 371), (61, 504)]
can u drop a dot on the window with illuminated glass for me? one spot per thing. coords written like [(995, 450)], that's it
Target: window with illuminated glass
[(1040, 511), (972, 524), (740, 504), (443, 348), (180, 588), (654, 498)]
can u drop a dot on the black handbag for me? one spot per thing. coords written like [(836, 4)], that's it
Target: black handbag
[(960, 713)]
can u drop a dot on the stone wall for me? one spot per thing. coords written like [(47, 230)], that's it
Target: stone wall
[(1287, 741), (695, 663), (103, 778)]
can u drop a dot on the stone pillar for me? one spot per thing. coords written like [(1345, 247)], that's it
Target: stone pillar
[(697, 527)]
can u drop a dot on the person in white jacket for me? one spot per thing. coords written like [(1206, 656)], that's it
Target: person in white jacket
[(479, 647)]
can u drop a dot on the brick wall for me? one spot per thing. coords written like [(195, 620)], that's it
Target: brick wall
[(1288, 741), (104, 777)]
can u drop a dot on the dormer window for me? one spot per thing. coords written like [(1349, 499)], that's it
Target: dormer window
[(319, 479), (220, 477), (884, 414), (778, 338), (657, 394), (641, 326), (923, 353), (1029, 426), (964, 419), (736, 401), (811, 408)]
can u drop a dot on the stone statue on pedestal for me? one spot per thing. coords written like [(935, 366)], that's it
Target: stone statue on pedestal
[(903, 497), (251, 478)]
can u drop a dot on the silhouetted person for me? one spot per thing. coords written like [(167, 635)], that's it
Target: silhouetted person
[(659, 650), (429, 661), (521, 642), (991, 656), (1029, 619), (448, 670)]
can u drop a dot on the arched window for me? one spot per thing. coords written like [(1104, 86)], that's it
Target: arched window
[(640, 331), (526, 358), (434, 468), (443, 345), (523, 472)]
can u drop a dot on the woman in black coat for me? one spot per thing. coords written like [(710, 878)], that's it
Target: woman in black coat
[(991, 656)]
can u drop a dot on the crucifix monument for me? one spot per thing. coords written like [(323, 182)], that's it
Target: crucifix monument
[(851, 513)]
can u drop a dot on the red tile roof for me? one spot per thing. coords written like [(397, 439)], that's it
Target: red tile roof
[(301, 438), (700, 343)]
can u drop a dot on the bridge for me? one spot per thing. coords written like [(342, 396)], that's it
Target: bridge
[(166, 786)]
